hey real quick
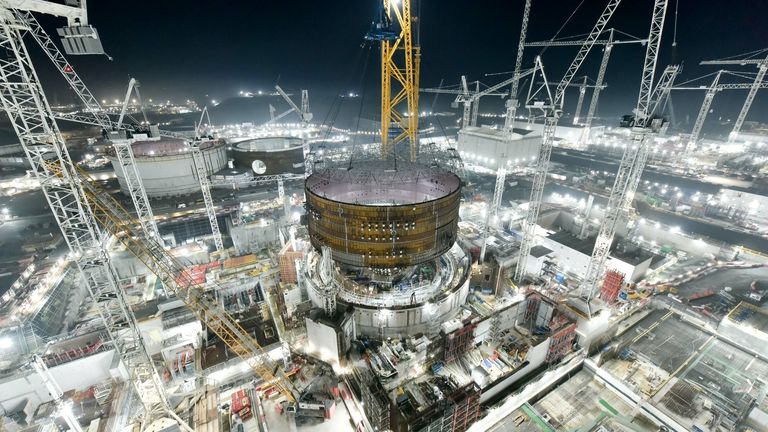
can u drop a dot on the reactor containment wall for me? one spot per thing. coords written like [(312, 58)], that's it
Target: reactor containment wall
[(374, 215)]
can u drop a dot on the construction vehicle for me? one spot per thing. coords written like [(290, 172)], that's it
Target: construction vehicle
[(241, 405)]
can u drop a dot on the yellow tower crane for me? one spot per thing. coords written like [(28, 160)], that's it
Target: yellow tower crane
[(400, 61)]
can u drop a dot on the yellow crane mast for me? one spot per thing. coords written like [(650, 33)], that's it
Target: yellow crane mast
[(400, 62)]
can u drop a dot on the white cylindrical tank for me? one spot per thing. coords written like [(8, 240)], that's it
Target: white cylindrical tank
[(166, 166)]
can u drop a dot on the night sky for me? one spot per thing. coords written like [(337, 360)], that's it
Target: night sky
[(211, 50)]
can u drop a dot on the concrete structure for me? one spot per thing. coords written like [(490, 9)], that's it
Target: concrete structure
[(492, 147), (252, 236), (330, 338), (271, 155), (166, 166), (572, 257), (400, 310)]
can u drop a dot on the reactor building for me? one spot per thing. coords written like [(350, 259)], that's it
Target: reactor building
[(384, 238), (166, 165), (270, 155)]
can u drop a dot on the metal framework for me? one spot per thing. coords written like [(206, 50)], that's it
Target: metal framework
[(582, 93), (65, 68), (404, 70), (592, 110), (762, 68), (30, 114), (509, 118), (97, 116), (709, 96), (552, 110), (135, 186), (205, 189), (330, 289), (633, 161), (260, 180), (660, 95), (493, 210), (283, 198), (585, 48), (642, 113)]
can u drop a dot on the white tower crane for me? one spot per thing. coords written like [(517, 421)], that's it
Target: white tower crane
[(31, 116), (509, 118), (122, 145), (582, 93), (698, 125), (599, 82), (660, 94), (466, 97), (762, 68), (633, 161), (711, 90), (553, 109), (303, 112)]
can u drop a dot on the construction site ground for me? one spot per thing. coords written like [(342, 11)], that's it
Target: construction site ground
[(584, 403), (688, 373)]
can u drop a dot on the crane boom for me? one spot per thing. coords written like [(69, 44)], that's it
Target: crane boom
[(663, 87), (305, 116), (509, 118), (552, 115), (633, 161), (748, 101), (582, 93), (116, 220), (592, 110), (762, 64), (63, 66), (585, 48), (31, 116), (698, 125), (651, 58)]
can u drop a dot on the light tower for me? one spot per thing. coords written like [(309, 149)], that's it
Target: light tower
[(400, 60)]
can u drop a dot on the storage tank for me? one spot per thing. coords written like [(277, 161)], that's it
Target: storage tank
[(166, 165), (270, 155)]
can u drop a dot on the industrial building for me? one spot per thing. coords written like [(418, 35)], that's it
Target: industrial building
[(545, 266)]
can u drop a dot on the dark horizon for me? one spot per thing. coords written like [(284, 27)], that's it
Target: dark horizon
[(204, 53)]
